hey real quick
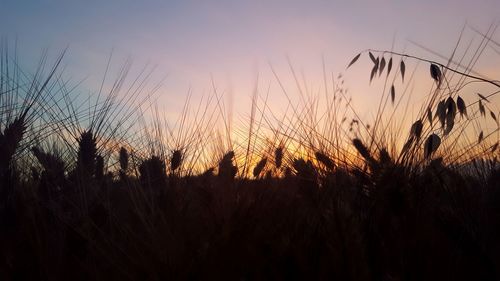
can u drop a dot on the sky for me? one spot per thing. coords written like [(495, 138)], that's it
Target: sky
[(193, 43)]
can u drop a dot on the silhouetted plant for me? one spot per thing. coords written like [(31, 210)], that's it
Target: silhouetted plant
[(227, 170), (259, 167), (52, 178), (87, 153), (123, 159), (278, 157), (176, 160), (153, 173)]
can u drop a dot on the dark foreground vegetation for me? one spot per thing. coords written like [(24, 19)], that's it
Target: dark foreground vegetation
[(86, 195), (343, 225)]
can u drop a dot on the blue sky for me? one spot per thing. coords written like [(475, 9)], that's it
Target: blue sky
[(191, 41)]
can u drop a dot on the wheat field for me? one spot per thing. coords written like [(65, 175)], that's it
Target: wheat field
[(105, 188)]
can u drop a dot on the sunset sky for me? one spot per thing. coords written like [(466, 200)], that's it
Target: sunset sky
[(233, 41)]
